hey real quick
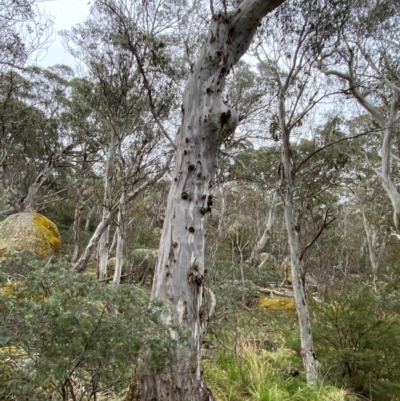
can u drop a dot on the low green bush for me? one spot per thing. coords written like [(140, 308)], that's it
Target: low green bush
[(59, 330), (357, 340)]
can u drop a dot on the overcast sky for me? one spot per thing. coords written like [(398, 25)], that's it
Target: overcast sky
[(66, 13)]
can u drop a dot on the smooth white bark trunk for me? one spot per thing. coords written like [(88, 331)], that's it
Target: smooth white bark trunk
[(82, 262), (180, 271), (102, 249), (119, 255), (262, 242), (387, 124), (309, 357), (375, 249), (89, 218), (103, 245)]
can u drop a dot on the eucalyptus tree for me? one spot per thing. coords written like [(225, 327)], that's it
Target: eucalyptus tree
[(206, 121), (363, 54), (288, 62), (33, 145), (130, 123), (25, 30)]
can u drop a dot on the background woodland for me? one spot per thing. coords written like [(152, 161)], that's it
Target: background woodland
[(305, 198)]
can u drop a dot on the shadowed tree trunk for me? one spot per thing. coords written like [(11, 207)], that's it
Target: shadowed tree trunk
[(180, 270), (77, 221)]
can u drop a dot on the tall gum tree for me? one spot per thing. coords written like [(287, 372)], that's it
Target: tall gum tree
[(297, 89), (206, 120), (364, 57)]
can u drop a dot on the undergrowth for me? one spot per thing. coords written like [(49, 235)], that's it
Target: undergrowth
[(244, 367)]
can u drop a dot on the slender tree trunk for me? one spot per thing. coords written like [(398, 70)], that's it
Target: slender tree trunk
[(89, 218), (120, 239), (310, 361), (386, 122), (375, 250), (114, 241), (386, 175), (180, 267), (103, 245), (82, 262), (260, 245), (77, 222), (102, 248)]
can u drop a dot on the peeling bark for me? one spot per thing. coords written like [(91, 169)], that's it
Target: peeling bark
[(180, 269)]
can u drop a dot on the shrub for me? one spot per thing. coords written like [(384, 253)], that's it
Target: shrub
[(358, 343), (58, 329)]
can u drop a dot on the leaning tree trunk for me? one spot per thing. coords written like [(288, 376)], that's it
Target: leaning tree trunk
[(82, 262), (310, 361), (387, 123), (180, 270), (262, 242)]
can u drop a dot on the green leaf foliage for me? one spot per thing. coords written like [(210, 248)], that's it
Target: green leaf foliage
[(358, 341), (60, 328)]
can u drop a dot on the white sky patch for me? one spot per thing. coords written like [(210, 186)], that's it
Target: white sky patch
[(65, 14)]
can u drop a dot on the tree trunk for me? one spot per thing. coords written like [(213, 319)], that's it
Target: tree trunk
[(114, 241), (310, 361), (120, 239), (180, 271), (77, 222), (89, 218), (260, 245), (103, 245), (386, 122), (81, 264), (387, 182), (102, 248), (375, 250)]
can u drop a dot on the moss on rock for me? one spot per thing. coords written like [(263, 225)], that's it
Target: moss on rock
[(29, 231)]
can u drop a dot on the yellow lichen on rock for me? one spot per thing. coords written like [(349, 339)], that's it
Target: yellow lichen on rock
[(29, 231), (278, 304), (49, 231)]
